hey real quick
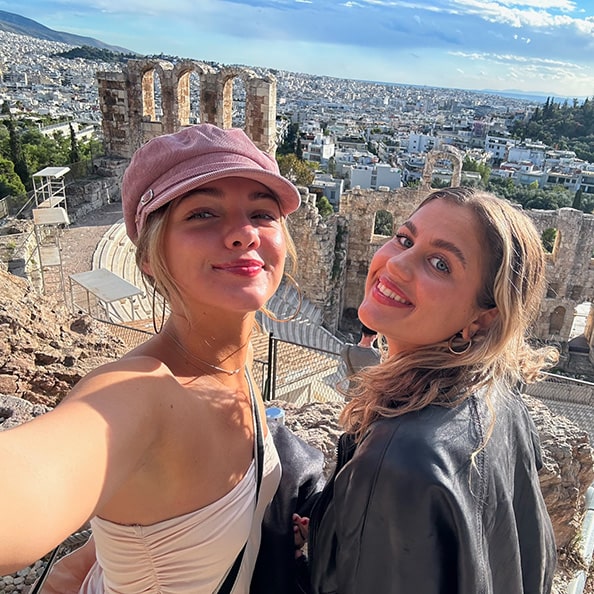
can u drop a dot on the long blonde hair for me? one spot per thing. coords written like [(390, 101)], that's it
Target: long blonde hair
[(513, 281)]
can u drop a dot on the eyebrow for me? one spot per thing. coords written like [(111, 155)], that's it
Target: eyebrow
[(440, 243), (217, 193)]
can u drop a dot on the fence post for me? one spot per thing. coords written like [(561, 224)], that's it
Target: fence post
[(268, 384)]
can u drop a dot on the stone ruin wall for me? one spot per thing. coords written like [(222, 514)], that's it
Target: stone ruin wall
[(129, 111), (321, 256), (334, 254), (570, 266), (570, 272), (359, 208)]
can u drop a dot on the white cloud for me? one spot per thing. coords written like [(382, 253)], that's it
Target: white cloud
[(511, 58)]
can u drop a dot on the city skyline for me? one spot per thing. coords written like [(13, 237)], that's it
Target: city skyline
[(531, 46)]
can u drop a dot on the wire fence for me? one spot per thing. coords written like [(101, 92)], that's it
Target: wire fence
[(283, 370), (302, 374), (568, 397)]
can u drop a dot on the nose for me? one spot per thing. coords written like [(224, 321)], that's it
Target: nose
[(401, 265), (241, 235)]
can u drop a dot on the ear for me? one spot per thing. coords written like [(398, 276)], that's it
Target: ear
[(146, 268), (482, 322)]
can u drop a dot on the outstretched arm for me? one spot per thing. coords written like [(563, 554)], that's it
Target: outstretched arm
[(60, 468)]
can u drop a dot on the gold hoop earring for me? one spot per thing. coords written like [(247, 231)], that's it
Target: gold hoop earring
[(154, 308), (272, 317), (464, 348)]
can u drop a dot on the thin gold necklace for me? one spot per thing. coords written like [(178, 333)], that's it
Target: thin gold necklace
[(198, 359)]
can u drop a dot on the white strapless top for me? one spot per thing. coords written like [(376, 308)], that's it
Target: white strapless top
[(189, 554)]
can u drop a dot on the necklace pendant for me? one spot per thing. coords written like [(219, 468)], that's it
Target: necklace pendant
[(197, 361)]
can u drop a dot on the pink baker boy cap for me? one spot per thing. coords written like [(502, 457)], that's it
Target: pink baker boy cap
[(171, 165)]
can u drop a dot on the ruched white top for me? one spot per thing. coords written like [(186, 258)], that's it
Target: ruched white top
[(188, 554)]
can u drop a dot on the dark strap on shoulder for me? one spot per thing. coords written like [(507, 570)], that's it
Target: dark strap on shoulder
[(231, 577), (46, 570)]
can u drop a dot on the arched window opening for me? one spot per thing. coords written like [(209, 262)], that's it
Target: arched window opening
[(148, 96), (158, 99), (383, 223), (553, 291), (238, 104), (581, 315), (556, 320), (194, 98), (442, 174), (550, 240), (188, 98)]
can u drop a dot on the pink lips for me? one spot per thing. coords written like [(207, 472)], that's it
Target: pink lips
[(241, 267)]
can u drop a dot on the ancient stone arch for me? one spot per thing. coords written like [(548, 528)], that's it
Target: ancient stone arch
[(358, 207), (556, 321), (127, 102), (181, 102), (446, 152)]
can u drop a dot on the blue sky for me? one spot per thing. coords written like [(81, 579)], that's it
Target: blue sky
[(542, 46)]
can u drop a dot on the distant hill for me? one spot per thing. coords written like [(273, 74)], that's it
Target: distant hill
[(15, 23)]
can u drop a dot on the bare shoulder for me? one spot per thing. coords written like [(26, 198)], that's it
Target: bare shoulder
[(130, 376)]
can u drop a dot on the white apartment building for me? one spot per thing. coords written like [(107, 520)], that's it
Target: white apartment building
[(345, 158), (331, 187), (318, 149), (372, 177), (420, 143), (535, 152), (498, 147)]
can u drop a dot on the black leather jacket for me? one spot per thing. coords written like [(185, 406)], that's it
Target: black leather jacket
[(277, 571), (410, 513)]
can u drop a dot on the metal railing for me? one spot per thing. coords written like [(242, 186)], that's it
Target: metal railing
[(302, 374), (283, 370), (562, 389)]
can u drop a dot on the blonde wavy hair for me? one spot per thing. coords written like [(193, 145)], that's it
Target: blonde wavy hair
[(514, 282), (150, 249)]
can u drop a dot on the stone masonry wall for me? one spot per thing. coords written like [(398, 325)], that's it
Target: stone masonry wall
[(131, 115)]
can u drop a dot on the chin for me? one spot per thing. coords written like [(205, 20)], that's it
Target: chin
[(366, 317)]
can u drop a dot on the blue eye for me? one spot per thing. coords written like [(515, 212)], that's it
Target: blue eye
[(439, 264), (200, 214), (404, 240)]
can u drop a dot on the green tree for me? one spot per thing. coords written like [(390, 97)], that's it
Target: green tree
[(44, 151), (331, 165), (74, 155), (17, 155), (481, 168), (324, 207), (548, 239), (289, 144), (568, 127), (10, 182), (384, 223), (300, 172)]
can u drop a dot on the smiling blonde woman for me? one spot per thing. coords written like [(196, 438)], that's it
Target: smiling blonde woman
[(436, 489)]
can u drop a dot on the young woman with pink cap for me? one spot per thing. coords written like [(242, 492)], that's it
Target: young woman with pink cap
[(163, 450)]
